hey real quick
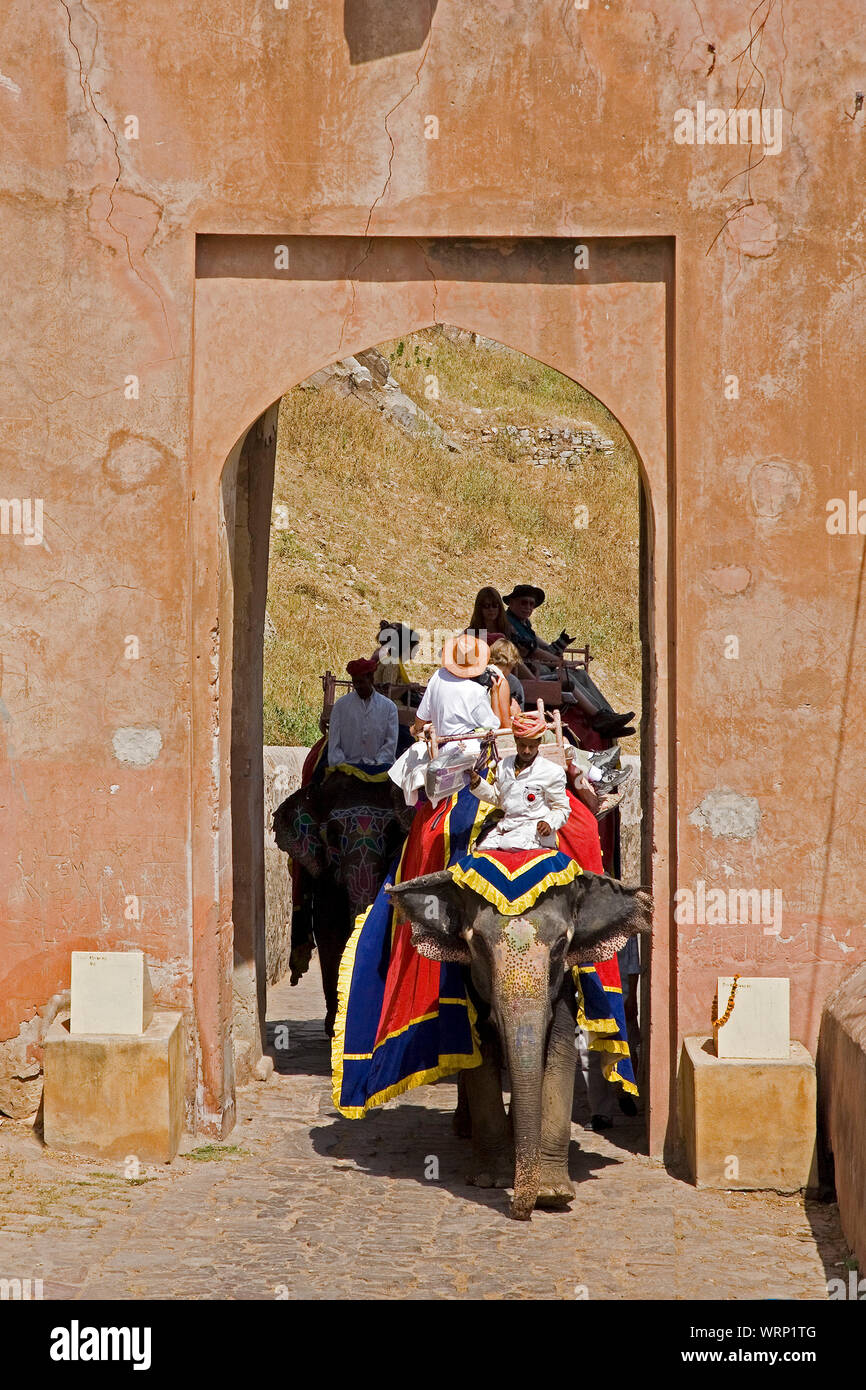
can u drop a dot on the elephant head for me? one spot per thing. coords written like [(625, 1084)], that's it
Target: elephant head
[(517, 965), (360, 842), (298, 830), (346, 827)]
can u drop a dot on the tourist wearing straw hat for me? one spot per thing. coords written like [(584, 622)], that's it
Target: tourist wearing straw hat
[(453, 703)]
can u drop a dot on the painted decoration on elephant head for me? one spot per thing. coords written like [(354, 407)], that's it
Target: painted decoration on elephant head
[(520, 933)]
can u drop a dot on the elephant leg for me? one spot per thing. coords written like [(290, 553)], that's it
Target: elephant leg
[(461, 1121), (557, 1189), (492, 1158), (330, 951), (332, 931)]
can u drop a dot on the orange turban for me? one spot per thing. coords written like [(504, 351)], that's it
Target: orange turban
[(530, 725)]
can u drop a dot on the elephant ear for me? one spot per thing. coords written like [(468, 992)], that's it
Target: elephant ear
[(435, 908), (297, 833), (605, 913)]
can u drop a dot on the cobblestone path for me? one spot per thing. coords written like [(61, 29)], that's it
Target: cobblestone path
[(301, 1203)]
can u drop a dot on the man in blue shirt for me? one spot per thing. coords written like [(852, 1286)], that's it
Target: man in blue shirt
[(578, 689)]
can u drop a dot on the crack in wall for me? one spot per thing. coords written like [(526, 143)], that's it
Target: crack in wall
[(376, 201), (578, 49), (431, 272), (350, 314), (742, 91), (89, 99), (711, 47), (415, 85)]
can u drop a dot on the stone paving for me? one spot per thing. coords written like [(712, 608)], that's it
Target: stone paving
[(301, 1203)]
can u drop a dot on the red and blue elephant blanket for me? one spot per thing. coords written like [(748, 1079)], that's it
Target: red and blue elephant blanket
[(404, 1020)]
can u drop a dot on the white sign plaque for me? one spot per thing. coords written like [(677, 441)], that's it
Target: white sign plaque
[(759, 1026), (111, 992)]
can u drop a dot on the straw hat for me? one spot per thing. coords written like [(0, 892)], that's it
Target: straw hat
[(465, 656)]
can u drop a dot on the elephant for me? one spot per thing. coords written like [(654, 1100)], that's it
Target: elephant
[(344, 833), (520, 972)]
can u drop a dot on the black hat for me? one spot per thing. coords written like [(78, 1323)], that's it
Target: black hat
[(400, 637), (525, 591)]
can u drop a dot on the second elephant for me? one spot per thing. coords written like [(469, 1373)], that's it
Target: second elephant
[(343, 832)]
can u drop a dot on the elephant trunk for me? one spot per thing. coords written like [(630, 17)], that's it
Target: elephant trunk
[(522, 1007)]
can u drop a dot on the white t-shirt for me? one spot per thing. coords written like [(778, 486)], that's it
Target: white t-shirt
[(455, 705)]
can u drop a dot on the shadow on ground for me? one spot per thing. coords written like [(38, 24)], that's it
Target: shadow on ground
[(410, 1141), (299, 1047), (415, 1143), (822, 1213)]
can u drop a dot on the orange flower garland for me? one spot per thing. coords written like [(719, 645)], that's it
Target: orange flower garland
[(720, 1022)]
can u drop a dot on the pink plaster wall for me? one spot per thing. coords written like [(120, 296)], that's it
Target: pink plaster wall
[(552, 122)]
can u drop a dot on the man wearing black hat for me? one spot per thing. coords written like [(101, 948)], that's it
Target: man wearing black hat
[(520, 605)]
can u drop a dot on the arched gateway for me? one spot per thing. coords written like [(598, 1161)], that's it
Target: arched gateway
[(268, 313)]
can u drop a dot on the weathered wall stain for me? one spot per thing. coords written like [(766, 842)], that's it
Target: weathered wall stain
[(727, 814), (139, 747)]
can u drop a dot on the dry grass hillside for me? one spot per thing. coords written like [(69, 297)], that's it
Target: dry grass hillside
[(382, 524)]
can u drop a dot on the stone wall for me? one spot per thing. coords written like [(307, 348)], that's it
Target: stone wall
[(283, 768), (630, 823), (842, 1102), (21, 1061), (566, 444)]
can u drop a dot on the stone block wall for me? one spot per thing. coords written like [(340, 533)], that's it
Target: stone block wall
[(283, 768)]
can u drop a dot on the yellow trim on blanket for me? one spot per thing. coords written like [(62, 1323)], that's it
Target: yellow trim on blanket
[(446, 827), (610, 1068), (618, 1046), (591, 1025), (422, 1018), (344, 979), (596, 1029), (448, 1062), (471, 878), (480, 817), (588, 970), (358, 772), (511, 875)]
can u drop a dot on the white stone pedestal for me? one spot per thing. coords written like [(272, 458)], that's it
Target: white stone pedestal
[(111, 992)]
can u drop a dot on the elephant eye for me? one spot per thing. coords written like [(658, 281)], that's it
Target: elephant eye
[(558, 948)]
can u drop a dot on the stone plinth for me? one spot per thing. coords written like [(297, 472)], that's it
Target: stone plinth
[(748, 1124), (115, 1096)]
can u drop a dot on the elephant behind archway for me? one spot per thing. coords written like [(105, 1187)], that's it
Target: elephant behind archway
[(344, 833)]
